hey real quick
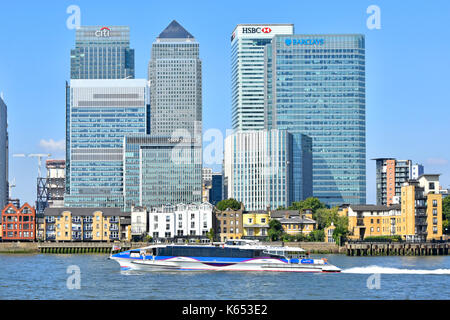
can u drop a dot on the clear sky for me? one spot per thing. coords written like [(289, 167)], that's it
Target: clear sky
[(407, 68)]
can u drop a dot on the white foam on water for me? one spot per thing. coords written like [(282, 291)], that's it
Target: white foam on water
[(387, 270)]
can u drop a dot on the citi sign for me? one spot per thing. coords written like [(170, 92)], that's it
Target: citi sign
[(256, 30), (301, 42), (103, 32)]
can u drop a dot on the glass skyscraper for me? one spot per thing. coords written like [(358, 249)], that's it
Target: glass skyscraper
[(316, 86), (102, 53), (165, 167), (247, 72), (100, 113), (161, 171), (4, 154)]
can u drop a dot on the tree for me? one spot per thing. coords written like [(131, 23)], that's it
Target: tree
[(316, 235), (310, 203), (210, 234), (228, 203), (446, 214), (275, 230)]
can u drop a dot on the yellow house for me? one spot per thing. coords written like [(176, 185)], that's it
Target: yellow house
[(85, 224), (255, 224), (294, 222)]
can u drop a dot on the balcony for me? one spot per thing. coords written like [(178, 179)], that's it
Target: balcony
[(114, 220), (113, 228)]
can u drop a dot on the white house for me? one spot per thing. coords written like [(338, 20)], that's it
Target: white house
[(182, 220)]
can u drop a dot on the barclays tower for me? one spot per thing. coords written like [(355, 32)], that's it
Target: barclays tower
[(315, 85)]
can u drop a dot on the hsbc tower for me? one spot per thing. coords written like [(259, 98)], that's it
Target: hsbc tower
[(247, 72)]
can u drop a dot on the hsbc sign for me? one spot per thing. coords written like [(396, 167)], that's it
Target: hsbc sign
[(252, 30)]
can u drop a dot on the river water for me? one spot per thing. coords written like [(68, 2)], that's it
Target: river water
[(53, 276)]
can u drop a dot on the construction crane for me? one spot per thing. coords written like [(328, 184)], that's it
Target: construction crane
[(39, 156), (12, 184)]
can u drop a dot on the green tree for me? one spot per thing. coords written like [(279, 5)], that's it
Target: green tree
[(316, 235), (228, 203), (275, 230), (309, 203), (210, 234), (446, 215)]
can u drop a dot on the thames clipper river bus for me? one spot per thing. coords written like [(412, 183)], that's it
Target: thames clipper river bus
[(234, 255)]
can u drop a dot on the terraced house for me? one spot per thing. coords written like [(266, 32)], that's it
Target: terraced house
[(86, 224), (256, 224), (228, 224)]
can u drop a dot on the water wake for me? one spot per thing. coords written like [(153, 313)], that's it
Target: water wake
[(387, 270)]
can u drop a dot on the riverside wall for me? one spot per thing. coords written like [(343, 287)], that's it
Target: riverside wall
[(105, 247)]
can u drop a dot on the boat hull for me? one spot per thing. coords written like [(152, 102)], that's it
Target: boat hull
[(193, 264)]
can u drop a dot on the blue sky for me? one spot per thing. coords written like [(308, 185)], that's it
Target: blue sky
[(407, 68)]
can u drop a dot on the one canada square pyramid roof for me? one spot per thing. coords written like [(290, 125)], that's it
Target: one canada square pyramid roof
[(175, 31)]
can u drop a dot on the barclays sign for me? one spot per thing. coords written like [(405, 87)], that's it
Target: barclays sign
[(300, 42)]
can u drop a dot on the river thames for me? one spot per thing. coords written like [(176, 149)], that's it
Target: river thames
[(50, 277)]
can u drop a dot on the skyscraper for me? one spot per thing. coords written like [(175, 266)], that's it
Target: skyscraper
[(160, 171), (175, 77), (100, 113), (258, 168), (316, 86), (247, 72), (102, 53), (4, 192), (165, 167)]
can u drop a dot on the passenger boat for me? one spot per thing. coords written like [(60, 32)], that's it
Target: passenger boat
[(233, 255)]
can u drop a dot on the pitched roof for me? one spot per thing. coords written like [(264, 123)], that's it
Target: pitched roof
[(175, 31), (282, 213)]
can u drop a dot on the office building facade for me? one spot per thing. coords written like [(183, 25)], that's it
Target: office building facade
[(102, 53), (315, 85), (247, 72), (100, 113), (160, 171), (4, 154), (258, 168), (216, 191), (175, 79)]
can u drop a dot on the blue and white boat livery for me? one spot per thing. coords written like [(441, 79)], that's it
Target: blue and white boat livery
[(234, 255)]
